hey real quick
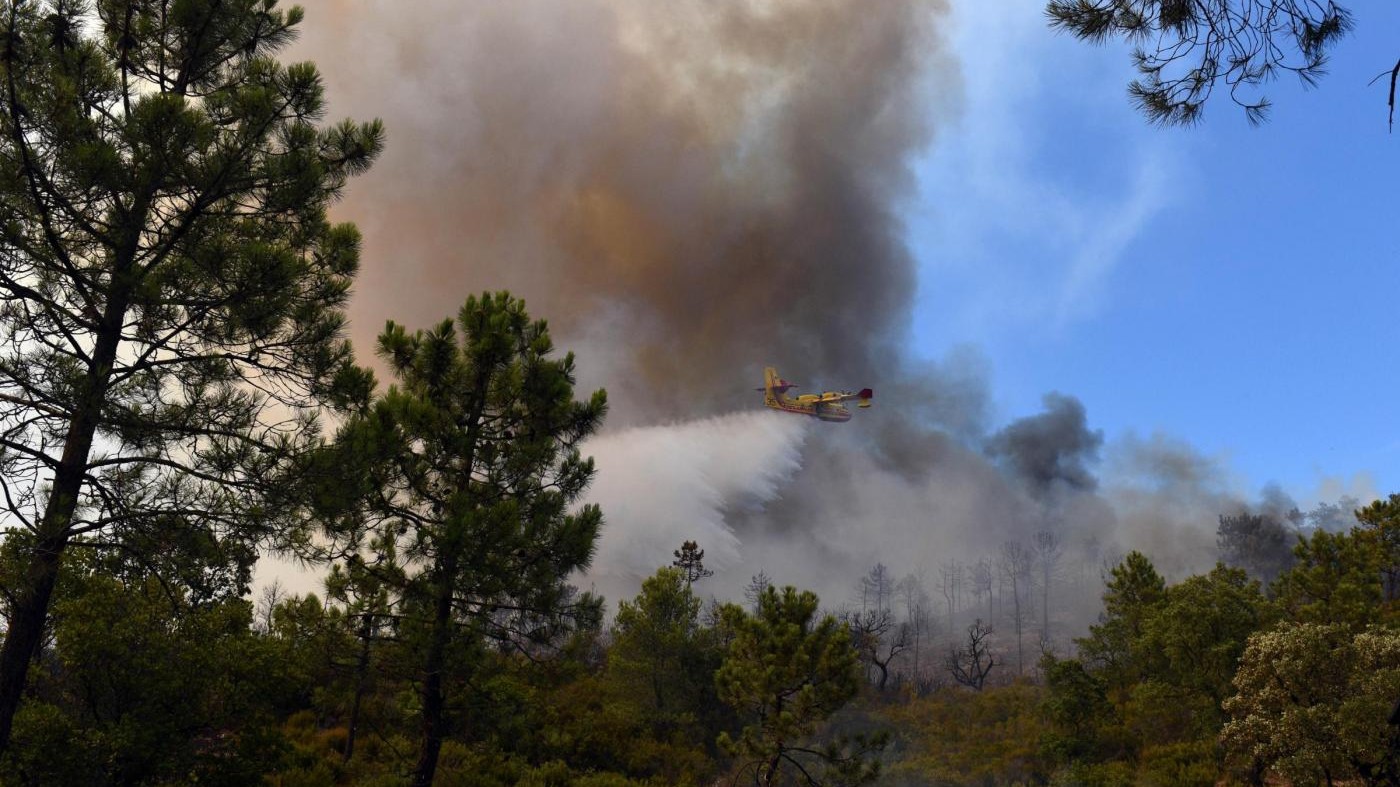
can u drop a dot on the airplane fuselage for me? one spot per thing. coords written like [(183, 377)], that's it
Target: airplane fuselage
[(827, 411)]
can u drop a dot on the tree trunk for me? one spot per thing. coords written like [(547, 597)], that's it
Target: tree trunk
[(769, 775), (1045, 607), (361, 673), (31, 608), (26, 629), (916, 654), (1016, 610), (656, 686), (434, 726)]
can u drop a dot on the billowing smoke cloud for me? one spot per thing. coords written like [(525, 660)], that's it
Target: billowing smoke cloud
[(1051, 450), (1168, 497), (690, 191)]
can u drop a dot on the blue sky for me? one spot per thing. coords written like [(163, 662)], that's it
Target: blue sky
[(1231, 286)]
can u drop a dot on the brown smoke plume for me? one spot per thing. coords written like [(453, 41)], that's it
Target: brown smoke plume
[(687, 190)]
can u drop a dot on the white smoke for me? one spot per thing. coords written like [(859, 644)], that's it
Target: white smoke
[(661, 485)]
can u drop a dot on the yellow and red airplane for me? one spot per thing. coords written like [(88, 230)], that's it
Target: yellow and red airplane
[(827, 406)]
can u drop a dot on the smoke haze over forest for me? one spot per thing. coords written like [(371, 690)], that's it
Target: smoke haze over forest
[(689, 192)]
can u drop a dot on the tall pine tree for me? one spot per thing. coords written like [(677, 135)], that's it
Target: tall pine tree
[(171, 291), (469, 464)]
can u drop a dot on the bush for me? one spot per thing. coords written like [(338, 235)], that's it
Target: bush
[(1183, 764), (990, 737)]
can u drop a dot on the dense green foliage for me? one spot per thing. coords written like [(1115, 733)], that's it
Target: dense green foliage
[(145, 687), (1312, 702), (788, 671), (957, 737)]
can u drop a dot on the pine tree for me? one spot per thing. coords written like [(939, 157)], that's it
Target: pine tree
[(1336, 579), (788, 671), (1380, 528), (690, 559), (171, 291), (758, 585), (1114, 646), (1258, 543), (664, 660), (469, 465)]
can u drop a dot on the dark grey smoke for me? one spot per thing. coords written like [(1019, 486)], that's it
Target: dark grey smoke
[(1278, 505), (1052, 450)]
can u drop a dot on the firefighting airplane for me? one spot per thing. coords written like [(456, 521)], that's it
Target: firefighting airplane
[(826, 406)]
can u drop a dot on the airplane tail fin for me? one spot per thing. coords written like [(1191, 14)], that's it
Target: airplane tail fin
[(770, 377), (772, 382), (865, 396), (774, 387)]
